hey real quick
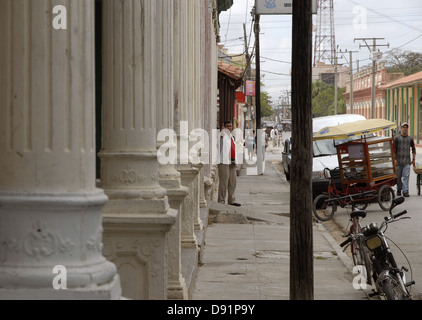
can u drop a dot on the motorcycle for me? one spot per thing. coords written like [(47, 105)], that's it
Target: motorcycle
[(389, 280)]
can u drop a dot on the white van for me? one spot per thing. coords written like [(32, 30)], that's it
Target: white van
[(324, 151)]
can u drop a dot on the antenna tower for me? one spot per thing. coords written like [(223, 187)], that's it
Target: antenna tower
[(325, 41)]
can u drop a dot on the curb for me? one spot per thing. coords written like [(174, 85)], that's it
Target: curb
[(347, 261)]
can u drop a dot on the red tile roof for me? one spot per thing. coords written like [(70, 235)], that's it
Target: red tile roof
[(230, 70), (409, 80)]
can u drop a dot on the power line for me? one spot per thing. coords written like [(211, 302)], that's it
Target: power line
[(406, 43), (386, 16), (279, 74), (276, 60)]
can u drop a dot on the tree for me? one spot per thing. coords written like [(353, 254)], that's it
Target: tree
[(266, 109), (407, 62), (323, 99)]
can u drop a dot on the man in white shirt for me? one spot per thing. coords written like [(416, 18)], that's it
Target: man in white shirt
[(227, 167), (274, 136)]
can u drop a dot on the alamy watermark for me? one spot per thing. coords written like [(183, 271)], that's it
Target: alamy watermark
[(200, 147), (360, 20), (360, 280), (60, 18), (60, 281)]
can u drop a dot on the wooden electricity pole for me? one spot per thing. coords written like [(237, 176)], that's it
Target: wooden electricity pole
[(258, 74), (260, 158), (373, 51), (301, 235)]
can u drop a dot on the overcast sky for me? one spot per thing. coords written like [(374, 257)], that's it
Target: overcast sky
[(398, 22)]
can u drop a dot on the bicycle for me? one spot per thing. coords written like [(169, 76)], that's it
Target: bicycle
[(325, 205), (356, 241)]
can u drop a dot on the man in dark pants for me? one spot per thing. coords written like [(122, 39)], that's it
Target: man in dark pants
[(403, 144), (227, 167)]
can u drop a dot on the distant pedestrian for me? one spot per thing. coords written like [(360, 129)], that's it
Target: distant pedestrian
[(273, 135), (250, 143), (227, 167), (403, 144)]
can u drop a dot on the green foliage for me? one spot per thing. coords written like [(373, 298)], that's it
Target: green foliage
[(266, 109), (323, 99)]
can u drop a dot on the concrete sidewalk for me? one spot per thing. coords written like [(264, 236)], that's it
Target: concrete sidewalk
[(247, 252)]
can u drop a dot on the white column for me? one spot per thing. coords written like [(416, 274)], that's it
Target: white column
[(137, 218), (50, 209), (169, 177), (197, 105), (185, 118)]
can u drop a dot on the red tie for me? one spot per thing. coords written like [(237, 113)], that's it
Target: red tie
[(233, 151)]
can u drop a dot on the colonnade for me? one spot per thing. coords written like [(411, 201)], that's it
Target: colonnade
[(126, 236)]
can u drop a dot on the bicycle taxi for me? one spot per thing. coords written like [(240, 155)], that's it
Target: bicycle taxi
[(366, 171)]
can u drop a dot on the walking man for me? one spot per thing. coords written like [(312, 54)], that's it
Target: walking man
[(227, 167), (403, 145), (273, 135)]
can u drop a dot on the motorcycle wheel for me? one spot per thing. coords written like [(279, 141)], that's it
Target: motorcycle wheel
[(393, 290)]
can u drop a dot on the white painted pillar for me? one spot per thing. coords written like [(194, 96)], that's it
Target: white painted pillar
[(197, 105), (169, 177), (137, 218), (50, 209), (185, 122)]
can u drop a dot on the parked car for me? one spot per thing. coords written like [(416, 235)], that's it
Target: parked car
[(324, 151), (286, 158)]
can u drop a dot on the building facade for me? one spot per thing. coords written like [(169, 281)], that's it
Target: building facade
[(327, 74), (361, 101), (404, 103), (87, 210)]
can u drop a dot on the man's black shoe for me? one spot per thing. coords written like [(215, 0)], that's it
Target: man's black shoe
[(399, 192), (235, 204), (405, 194)]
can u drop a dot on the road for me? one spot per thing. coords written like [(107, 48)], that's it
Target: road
[(406, 233)]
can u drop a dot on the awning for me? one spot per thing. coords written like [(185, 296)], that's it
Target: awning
[(353, 129)]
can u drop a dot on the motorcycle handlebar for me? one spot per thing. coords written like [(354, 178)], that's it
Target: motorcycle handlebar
[(349, 239), (399, 214)]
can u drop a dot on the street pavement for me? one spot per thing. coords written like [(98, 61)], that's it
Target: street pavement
[(247, 252), (405, 234)]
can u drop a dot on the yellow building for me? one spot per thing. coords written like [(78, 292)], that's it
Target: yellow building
[(403, 102)]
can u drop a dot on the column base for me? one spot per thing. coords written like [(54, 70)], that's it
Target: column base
[(51, 244), (137, 245), (109, 291), (177, 290)]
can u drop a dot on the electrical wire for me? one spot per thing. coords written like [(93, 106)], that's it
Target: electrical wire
[(386, 16)]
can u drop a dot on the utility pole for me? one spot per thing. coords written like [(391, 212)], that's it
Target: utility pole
[(351, 77), (258, 74), (248, 70), (351, 80), (301, 233), (260, 159), (372, 50), (335, 84)]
